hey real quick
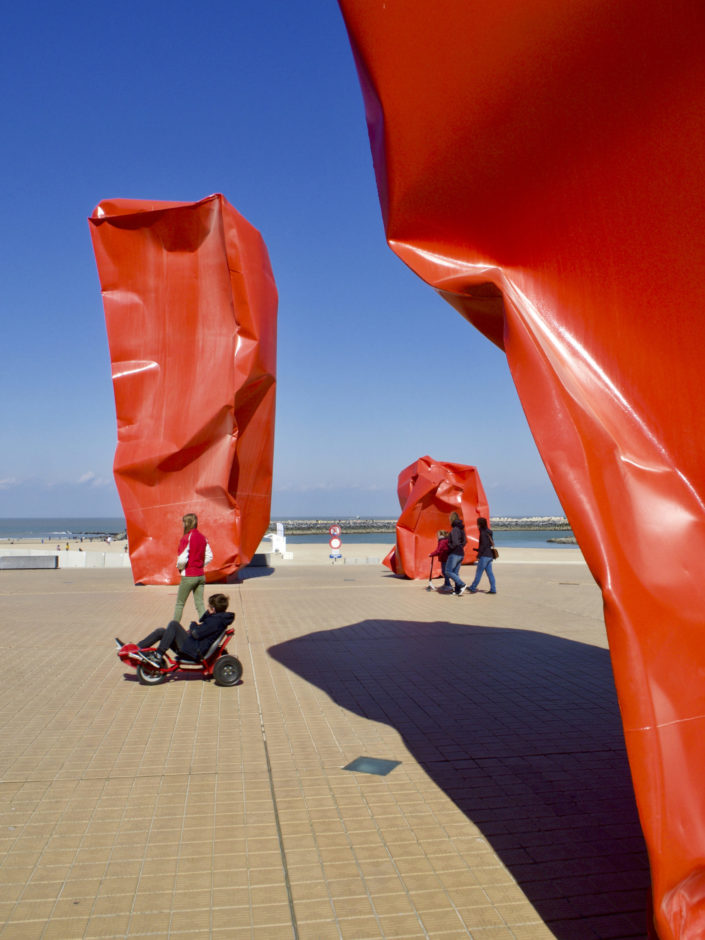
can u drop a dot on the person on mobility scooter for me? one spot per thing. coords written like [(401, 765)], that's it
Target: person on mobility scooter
[(202, 646)]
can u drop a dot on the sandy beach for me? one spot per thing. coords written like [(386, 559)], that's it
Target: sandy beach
[(373, 553), (304, 553), (74, 544)]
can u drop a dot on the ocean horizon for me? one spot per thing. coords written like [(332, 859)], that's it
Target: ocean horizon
[(98, 527), (29, 527)]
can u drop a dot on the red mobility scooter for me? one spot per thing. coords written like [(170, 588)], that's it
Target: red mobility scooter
[(217, 663)]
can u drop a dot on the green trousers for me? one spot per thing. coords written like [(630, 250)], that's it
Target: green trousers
[(185, 588)]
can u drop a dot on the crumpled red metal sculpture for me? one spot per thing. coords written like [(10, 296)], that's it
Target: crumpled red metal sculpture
[(541, 164), (190, 306), (428, 492)]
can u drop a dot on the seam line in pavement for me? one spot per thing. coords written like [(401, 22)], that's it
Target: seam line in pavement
[(280, 835)]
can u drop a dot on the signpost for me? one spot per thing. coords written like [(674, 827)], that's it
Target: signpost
[(335, 542)]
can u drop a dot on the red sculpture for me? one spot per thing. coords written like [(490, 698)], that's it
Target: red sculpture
[(541, 165), (428, 492), (190, 306)]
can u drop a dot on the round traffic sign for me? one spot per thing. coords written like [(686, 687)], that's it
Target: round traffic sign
[(334, 542), (334, 530)]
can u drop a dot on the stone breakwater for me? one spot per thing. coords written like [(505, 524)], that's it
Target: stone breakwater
[(321, 526), (368, 526)]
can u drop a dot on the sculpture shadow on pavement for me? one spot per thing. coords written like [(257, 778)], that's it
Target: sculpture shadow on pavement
[(522, 731)]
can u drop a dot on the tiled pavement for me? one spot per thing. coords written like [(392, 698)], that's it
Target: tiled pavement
[(189, 810)]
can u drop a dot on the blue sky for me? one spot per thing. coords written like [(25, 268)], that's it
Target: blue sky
[(260, 102)]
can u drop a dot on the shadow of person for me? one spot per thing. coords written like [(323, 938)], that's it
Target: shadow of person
[(522, 731)]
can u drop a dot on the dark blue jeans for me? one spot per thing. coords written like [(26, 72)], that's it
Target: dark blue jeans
[(453, 563), (484, 564)]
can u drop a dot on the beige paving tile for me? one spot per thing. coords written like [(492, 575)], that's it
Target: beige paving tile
[(347, 887), (359, 928), (318, 930), (313, 910), (155, 902), (26, 910), (385, 904), (260, 877), (67, 929), (430, 900), (108, 926), (493, 933), (504, 893), (271, 914), (26, 931), (401, 925), (192, 900), (481, 916), (182, 921), (532, 932), (155, 805), (518, 914)]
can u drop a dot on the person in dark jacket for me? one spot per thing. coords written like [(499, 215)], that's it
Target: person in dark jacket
[(484, 556), (195, 641), (456, 550)]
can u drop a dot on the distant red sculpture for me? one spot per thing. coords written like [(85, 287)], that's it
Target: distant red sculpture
[(541, 164), (190, 307), (428, 492)]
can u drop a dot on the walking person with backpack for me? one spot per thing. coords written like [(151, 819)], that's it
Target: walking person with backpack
[(456, 550), (486, 553)]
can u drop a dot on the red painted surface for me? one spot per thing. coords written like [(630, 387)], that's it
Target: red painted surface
[(190, 307), (428, 492), (541, 165)]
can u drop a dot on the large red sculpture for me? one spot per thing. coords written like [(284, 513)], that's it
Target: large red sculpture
[(428, 492), (190, 306), (541, 164)]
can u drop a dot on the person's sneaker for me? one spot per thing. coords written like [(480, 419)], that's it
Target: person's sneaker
[(462, 590), (473, 590), (491, 592)]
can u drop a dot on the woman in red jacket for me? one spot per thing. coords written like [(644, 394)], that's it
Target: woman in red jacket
[(194, 554)]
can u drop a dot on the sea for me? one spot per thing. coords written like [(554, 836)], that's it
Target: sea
[(99, 528), (64, 528)]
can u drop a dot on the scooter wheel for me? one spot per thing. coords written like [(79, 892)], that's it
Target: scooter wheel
[(149, 675), (227, 670)]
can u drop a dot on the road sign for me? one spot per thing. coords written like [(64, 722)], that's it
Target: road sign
[(334, 530), (334, 543)]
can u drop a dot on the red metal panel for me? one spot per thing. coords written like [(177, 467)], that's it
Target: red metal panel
[(190, 306), (429, 491), (541, 165)]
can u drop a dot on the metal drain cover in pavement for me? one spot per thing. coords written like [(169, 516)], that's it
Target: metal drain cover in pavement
[(372, 765)]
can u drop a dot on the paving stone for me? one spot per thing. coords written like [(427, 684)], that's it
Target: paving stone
[(204, 809)]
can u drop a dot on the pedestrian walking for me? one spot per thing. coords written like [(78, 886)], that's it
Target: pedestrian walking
[(194, 554), (457, 540), (486, 553)]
